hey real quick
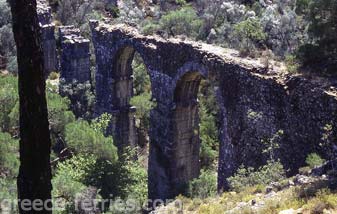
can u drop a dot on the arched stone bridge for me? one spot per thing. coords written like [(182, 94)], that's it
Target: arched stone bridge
[(255, 103)]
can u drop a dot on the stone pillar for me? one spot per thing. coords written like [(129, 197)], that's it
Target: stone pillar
[(226, 165), (75, 55), (124, 127), (48, 37), (175, 142)]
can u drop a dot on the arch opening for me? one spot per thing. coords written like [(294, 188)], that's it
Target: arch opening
[(195, 127), (132, 101)]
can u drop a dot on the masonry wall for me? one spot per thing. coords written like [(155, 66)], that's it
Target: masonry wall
[(74, 55), (256, 108), (255, 103), (48, 37)]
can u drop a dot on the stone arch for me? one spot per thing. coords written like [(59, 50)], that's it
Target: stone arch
[(122, 76), (185, 125)]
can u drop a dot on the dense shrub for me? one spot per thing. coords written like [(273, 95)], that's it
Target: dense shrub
[(209, 130), (245, 177), (209, 138), (183, 21), (69, 179), (320, 52), (204, 186), (7, 44), (131, 177), (313, 160), (8, 98), (251, 35), (142, 82), (143, 105), (81, 98), (82, 138), (9, 161), (58, 113)]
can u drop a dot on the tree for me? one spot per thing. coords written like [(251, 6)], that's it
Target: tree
[(184, 21), (34, 180), (321, 51)]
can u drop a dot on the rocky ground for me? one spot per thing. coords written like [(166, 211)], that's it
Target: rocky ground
[(306, 193)]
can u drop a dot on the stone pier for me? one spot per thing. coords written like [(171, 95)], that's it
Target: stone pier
[(48, 37), (74, 55)]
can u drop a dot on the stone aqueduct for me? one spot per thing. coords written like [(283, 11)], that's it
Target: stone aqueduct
[(254, 101)]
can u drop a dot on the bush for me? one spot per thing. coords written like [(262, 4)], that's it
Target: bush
[(143, 105), (8, 191), (209, 131), (58, 113), (73, 173), (266, 174), (251, 35), (150, 28), (184, 21), (205, 186), (9, 96), (9, 151), (81, 98), (292, 64), (313, 160), (320, 52), (142, 82), (82, 138)]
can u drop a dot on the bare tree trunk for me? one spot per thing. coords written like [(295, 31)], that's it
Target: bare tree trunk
[(34, 180)]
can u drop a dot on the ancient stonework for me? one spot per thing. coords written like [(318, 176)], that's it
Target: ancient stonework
[(74, 56), (255, 103), (48, 37)]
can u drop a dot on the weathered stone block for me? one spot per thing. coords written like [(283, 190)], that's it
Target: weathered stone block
[(48, 37), (75, 55)]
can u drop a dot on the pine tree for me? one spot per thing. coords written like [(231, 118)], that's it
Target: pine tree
[(34, 180)]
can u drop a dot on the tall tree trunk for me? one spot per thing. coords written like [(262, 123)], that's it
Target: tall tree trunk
[(34, 180)]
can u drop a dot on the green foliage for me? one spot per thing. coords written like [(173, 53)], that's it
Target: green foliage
[(7, 44), (328, 141), (82, 138), (209, 133), (58, 112), (131, 177), (209, 138), (292, 64), (101, 123), (272, 144), (320, 52), (250, 35), (8, 191), (142, 83), (205, 186), (143, 105), (313, 160), (81, 98), (183, 21), (245, 177), (150, 27), (8, 98), (9, 149), (70, 177), (250, 29)]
